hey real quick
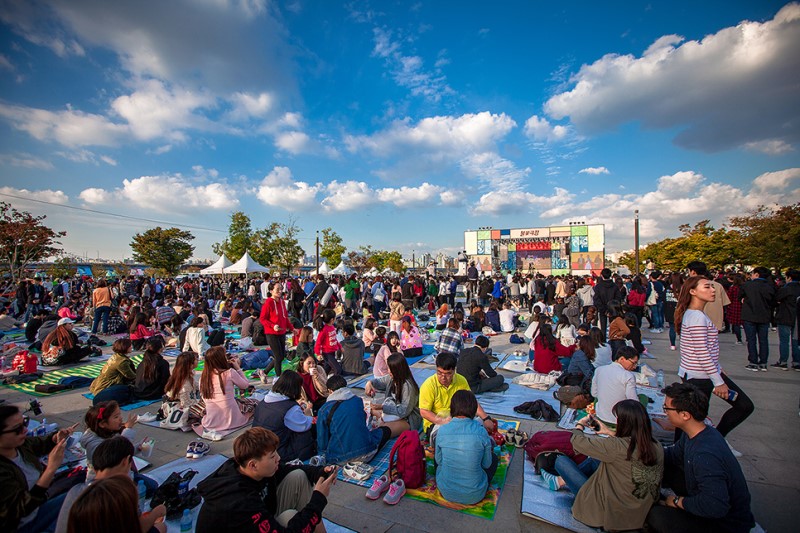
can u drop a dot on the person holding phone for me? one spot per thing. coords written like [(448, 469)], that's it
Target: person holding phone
[(255, 492), (699, 346)]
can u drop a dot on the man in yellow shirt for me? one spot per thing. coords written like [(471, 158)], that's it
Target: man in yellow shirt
[(437, 391)]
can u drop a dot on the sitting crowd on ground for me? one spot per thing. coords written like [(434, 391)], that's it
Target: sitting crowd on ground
[(310, 410)]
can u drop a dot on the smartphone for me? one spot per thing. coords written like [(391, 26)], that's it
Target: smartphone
[(334, 472), (593, 423), (732, 395)]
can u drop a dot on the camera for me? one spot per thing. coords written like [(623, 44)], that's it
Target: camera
[(35, 407)]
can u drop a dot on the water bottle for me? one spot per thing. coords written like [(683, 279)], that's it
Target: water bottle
[(41, 431), (660, 379), (186, 520), (142, 495)]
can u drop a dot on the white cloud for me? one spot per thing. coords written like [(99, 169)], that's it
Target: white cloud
[(247, 105), (25, 160), (454, 197), (279, 189), (165, 194), (409, 70), (81, 155), (68, 127), (294, 142), (494, 172), (540, 129), (594, 170), (425, 194), (776, 180), (45, 195), (447, 138), (5, 63), (348, 196), (769, 147), (500, 202), (733, 88)]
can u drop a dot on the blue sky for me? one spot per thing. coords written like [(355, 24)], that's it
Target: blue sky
[(398, 124)]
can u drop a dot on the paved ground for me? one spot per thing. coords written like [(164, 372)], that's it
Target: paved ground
[(769, 440)]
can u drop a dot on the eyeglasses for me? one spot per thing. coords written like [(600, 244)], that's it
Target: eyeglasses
[(672, 409), (22, 428)]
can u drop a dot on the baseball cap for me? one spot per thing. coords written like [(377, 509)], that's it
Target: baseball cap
[(65, 320)]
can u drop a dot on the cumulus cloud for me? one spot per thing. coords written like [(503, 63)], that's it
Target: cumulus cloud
[(279, 189), (733, 88), (425, 194), (594, 170), (294, 142), (494, 172), (25, 160), (165, 194), (539, 129), (67, 127), (348, 196), (776, 181), (501, 202), (45, 195)]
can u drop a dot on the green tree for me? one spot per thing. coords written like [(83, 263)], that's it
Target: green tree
[(331, 249), (277, 245), (63, 266), (163, 249), (770, 237), (359, 260), (383, 259), (24, 239), (239, 239)]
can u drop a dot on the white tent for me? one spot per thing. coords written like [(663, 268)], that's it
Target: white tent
[(324, 268), (218, 267), (373, 272), (245, 265), (342, 269)]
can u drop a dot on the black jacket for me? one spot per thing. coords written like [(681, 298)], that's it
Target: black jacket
[(758, 296), (236, 503), (786, 303), (471, 362), (152, 389), (605, 290)]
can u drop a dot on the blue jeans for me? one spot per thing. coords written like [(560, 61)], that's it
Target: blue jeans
[(122, 394), (657, 315), (46, 516), (757, 347), (105, 312), (575, 475), (737, 330), (786, 339), (672, 335)]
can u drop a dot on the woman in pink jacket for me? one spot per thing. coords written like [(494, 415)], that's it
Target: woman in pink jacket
[(219, 376)]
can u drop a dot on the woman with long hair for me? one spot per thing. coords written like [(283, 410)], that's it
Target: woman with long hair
[(101, 302), (62, 347), (699, 346), (152, 373), (617, 328), (194, 337), (182, 386), (602, 351), (110, 504), (400, 409), (139, 331), (219, 376), (275, 319), (636, 299), (672, 291), (392, 346), (581, 361), (315, 381), (117, 375), (619, 482), (284, 412), (548, 353), (442, 316)]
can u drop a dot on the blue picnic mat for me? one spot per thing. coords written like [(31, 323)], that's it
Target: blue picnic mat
[(380, 463), (128, 407)]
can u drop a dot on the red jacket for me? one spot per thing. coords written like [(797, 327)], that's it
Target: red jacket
[(273, 313), (546, 360), (327, 341)]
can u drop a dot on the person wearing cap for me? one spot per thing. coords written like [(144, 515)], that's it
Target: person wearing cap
[(62, 347)]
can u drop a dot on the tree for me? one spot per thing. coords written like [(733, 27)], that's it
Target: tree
[(239, 240), (331, 248), (163, 249), (383, 259), (770, 237), (61, 267), (359, 260), (278, 245), (24, 239)]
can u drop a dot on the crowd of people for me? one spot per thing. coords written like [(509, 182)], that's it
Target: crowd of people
[(322, 331)]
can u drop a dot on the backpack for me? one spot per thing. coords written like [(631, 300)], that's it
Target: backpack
[(552, 441), (408, 458), (636, 299), (516, 339), (59, 290)]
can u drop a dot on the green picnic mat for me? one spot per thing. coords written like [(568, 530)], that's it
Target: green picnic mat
[(52, 377)]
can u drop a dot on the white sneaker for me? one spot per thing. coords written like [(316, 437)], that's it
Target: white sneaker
[(735, 452)]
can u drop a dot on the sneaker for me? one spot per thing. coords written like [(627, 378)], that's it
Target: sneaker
[(763, 368), (739, 343), (317, 460), (379, 486), (148, 417), (358, 471), (510, 436), (551, 481), (752, 368), (672, 348), (520, 439), (796, 368), (735, 452), (396, 491), (200, 449), (190, 449), (780, 365)]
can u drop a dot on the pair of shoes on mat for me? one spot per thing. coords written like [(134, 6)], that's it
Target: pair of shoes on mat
[(211, 435), (358, 471), (148, 417), (196, 449), (394, 490), (516, 438)]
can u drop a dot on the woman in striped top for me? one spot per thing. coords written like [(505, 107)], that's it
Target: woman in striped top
[(699, 347)]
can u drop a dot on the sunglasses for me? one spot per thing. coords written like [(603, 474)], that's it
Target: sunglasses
[(22, 428)]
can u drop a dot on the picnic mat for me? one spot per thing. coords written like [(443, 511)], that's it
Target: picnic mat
[(91, 370), (380, 463), (485, 508), (129, 406), (541, 503), (503, 403), (198, 428)]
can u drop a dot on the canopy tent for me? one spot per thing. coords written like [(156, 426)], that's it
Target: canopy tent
[(245, 265), (373, 272), (324, 268), (342, 269), (218, 267)]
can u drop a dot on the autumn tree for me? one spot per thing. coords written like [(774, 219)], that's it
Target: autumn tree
[(239, 239), (770, 237), (331, 248), (163, 249), (24, 239), (359, 260), (277, 245)]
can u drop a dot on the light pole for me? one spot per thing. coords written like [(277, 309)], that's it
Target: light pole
[(413, 260), (636, 239), (317, 244)]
